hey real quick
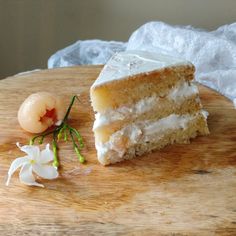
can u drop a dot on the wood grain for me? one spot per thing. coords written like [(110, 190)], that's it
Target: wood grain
[(180, 190)]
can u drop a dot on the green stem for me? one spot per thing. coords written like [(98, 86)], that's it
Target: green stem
[(73, 139), (65, 135), (54, 149), (80, 157), (57, 133), (60, 133), (69, 108), (43, 135), (78, 135)]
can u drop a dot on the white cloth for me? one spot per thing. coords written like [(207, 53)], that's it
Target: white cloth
[(213, 53), (85, 52)]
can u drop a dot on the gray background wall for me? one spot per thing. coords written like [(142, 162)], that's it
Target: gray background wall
[(32, 30)]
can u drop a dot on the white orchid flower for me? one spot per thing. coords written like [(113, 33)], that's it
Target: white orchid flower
[(35, 161)]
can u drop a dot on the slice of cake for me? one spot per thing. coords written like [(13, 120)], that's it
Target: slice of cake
[(144, 101)]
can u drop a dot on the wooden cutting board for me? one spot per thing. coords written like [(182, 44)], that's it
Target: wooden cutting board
[(180, 190)]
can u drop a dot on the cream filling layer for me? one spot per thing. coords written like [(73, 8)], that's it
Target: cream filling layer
[(177, 94), (141, 132)]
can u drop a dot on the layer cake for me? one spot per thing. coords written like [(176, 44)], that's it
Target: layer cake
[(144, 101)]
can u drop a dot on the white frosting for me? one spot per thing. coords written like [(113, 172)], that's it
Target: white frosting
[(182, 91), (139, 132), (178, 94), (128, 63)]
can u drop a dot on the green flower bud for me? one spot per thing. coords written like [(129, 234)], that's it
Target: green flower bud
[(80, 157)]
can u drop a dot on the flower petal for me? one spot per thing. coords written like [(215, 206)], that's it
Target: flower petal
[(18, 162), (46, 155), (26, 176), (32, 150), (45, 171)]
